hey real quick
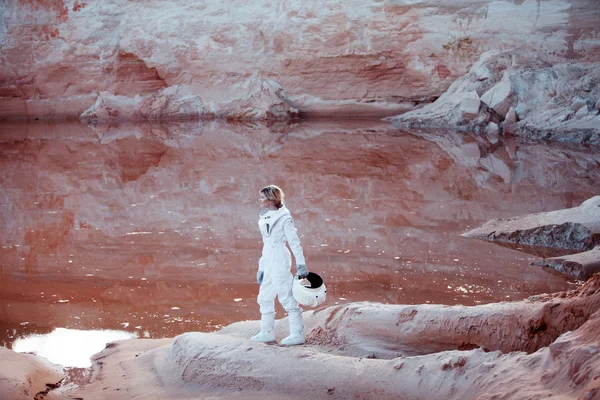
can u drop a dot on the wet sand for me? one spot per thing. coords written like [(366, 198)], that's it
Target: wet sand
[(151, 229)]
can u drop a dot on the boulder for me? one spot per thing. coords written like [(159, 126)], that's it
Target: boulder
[(492, 129), (469, 106), (576, 228), (500, 97), (262, 99), (577, 103), (582, 112), (511, 116), (580, 265), (172, 104), (168, 104), (111, 108)]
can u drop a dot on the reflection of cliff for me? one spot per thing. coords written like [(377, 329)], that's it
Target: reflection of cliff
[(379, 211), (145, 186)]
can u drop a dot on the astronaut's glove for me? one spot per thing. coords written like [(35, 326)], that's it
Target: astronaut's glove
[(259, 277), (301, 271)]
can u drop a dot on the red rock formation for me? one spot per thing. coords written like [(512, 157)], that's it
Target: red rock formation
[(131, 75), (331, 58)]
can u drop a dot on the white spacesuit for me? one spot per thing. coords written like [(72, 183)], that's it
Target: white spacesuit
[(274, 275)]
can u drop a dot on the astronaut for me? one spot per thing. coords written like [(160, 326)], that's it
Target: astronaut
[(274, 277)]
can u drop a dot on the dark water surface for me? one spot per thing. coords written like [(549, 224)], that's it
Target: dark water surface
[(151, 229)]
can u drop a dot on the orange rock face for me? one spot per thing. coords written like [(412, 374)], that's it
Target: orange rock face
[(354, 57)]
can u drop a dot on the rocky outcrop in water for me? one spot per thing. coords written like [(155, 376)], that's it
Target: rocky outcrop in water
[(575, 229), (580, 265)]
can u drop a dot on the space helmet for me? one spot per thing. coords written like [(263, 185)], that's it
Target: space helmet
[(311, 295)]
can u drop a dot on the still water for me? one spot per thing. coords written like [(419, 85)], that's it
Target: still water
[(150, 230)]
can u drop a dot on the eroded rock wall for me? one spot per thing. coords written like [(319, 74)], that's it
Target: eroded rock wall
[(523, 93), (353, 58)]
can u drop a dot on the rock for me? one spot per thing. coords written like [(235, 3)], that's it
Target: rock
[(577, 103), (487, 115), (492, 129), (168, 104), (111, 108), (500, 97), (576, 228), (261, 99), (452, 351), (526, 87), (26, 376), (172, 104), (469, 106), (579, 266), (343, 54), (597, 106), (511, 116), (565, 116), (582, 112)]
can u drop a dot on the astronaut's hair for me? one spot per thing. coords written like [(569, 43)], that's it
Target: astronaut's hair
[(274, 194)]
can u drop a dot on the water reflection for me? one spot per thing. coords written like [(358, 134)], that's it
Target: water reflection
[(154, 226), (69, 347)]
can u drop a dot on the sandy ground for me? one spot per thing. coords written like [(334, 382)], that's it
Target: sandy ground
[(25, 376), (227, 365)]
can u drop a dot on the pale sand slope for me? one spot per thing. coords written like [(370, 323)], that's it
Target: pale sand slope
[(23, 376), (226, 365)]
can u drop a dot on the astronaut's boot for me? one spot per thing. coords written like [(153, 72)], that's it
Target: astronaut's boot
[(296, 329), (267, 329)]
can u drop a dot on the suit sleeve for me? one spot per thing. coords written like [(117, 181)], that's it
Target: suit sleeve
[(291, 234)]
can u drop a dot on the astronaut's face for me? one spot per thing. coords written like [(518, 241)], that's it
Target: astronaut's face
[(264, 202)]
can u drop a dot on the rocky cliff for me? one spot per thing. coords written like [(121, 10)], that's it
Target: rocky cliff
[(197, 58), (528, 94)]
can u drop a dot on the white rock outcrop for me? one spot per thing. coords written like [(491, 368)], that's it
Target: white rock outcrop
[(500, 96), (540, 92), (573, 229), (469, 106), (167, 104)]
